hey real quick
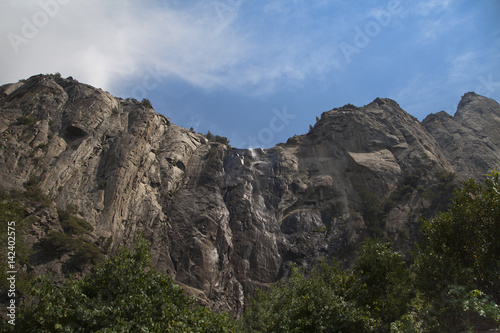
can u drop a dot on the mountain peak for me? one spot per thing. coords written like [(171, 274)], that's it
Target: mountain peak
[(472, 103), (473, 128), (468, 98), (223, 221)]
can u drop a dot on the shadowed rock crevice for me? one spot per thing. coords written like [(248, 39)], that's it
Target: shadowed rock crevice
[(225, 221)]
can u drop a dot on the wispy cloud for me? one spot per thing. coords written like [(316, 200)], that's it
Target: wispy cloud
[(432, 6), (463, 66), (460, 73), (436, 18), (100, 42)]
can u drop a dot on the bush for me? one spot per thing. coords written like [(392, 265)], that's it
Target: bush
[(146, 103), (314, 303), (34, 194), (444, 190), (13, 215), (210, 136), (57, 241), (72, 224), (461, 246), (86, 252), (33, 181), (222, 139), (28, 121), (373, 213), (460, 255), (383, 285), (125, 294)]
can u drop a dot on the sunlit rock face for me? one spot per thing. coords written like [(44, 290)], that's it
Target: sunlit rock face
[(224, 221), (471, 138)]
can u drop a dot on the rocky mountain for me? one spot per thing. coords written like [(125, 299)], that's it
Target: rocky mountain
[(224, 221), (474, 128)]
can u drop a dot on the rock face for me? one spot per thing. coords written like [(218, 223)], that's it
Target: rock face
[(470, 139), (225, 221)]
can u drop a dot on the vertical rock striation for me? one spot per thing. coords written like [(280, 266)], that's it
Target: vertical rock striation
[(225, 221)]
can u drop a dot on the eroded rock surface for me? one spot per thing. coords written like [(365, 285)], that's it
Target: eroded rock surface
[(226, 221), (471, 138)]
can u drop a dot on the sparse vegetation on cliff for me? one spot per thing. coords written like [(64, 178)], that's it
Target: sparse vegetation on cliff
[(217, 138), (147, 103)]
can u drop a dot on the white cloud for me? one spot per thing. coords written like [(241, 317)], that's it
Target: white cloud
[(96, 41), (438, 18), (103, 42), (463, 66), (79, 38)]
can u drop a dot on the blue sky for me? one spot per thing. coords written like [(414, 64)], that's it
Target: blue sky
[(259, 72)]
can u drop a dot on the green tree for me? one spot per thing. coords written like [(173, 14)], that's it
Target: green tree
[(383, 284), (461, 246), (458, 264), (373, 213), (222, 139), (146, 103), (313, 303), (210, 136), (125, 294), (14, 225)]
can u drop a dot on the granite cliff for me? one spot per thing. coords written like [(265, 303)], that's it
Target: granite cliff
[(225, 221)]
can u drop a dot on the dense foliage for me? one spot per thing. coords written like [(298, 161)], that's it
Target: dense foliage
[(125, 294), (461, 246), (316, 303), (11, 213), (458, 263), (377, 292), (382, 283), (14, 224)]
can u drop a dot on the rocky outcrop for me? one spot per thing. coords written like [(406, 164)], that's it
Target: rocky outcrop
[(225, 221), (471, 138)]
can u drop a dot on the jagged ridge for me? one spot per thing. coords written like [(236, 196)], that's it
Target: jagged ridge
[(225, 221)]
